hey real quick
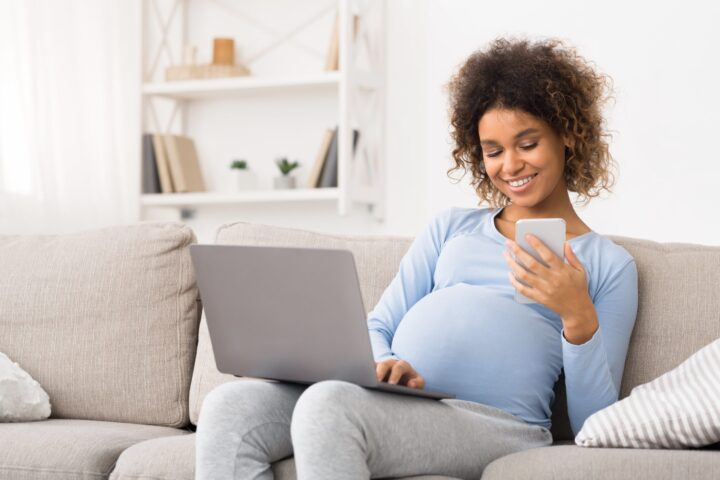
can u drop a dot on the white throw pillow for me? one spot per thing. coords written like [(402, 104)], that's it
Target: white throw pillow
[(21, 397), (679, 409)]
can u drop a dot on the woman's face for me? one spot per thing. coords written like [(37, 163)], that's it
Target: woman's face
[(517, 145)]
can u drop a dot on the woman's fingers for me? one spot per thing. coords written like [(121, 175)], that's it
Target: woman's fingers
[(400, 372), (416, 382), (383, 368), (404, 374)]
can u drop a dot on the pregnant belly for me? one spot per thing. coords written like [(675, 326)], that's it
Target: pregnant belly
[(479, 344)]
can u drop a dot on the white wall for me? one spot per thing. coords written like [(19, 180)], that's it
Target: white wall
[(407, 206), (664, 61)]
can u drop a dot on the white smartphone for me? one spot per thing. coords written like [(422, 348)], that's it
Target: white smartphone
[(550, 231)]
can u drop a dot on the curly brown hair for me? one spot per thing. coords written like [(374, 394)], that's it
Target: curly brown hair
[(546, 79)]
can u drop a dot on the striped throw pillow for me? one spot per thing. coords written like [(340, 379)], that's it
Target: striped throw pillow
[(679, 409)]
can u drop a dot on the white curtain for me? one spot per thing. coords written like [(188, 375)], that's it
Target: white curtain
[(69, 114)]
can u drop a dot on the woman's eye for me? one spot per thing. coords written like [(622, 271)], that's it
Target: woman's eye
[(524, 147)]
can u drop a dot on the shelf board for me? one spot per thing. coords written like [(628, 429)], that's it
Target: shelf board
[(222, 87), (253, 196)]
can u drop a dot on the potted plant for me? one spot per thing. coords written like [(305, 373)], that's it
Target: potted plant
[(245, 178), (285, 180)]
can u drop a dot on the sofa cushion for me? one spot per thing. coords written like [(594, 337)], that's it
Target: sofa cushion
[(678, 306), (376, 258), (68, 449), (105, 320), (570, 462), (173, 458)]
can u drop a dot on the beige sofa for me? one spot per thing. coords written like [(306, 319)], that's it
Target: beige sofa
[(109, 323)]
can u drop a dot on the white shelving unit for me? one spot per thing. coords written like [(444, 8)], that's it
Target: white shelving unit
[(226, 87), (357, 89), (188, 200)]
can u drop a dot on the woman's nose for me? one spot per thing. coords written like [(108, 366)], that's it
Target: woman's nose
[(512, 163)]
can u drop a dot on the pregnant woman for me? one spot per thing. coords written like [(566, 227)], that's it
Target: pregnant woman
[(527, 124)]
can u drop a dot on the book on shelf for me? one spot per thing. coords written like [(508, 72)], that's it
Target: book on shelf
[(332, 58), (150, 177), (166, 184), (329, 176), (183, 162), (356, 136), (314, 177)]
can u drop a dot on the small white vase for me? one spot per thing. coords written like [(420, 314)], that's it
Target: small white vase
[(246, 179), (284, 181)]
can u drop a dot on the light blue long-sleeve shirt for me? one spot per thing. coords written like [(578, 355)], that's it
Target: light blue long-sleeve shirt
[(450, 312)]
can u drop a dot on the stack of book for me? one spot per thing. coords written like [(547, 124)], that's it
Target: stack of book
[(170, 165), (324, 171)]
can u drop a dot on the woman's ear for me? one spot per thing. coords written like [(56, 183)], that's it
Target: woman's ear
[(569, 142)]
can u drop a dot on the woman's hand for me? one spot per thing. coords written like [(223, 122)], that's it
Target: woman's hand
[(560, 286), (400, 372)]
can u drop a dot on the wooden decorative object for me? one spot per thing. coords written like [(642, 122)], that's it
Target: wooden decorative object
[(223, 51), (223, 64), (193, 72)]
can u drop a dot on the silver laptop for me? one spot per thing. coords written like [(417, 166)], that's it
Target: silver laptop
[(289, 314)]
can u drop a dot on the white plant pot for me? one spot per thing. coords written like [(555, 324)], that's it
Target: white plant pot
[(284, 181), (245, 179)]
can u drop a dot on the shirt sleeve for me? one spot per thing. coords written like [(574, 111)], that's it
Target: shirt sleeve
[(413, 281), (593, 370)]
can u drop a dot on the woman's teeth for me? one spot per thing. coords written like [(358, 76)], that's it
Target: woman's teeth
[(522, 182)]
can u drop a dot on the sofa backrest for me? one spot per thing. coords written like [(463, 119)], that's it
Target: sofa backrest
[(678, 306), (678, 311), (105, 320)]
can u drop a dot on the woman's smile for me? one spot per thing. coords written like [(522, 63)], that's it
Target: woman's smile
[(522, 184)]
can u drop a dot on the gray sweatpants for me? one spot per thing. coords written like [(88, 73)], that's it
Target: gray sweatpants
[(338, 430)]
